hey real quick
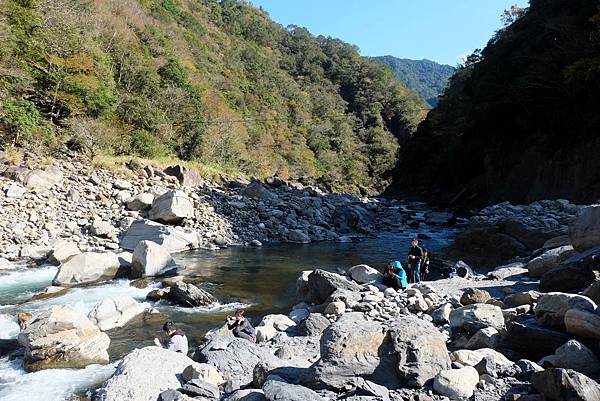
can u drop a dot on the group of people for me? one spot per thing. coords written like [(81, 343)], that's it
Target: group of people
[(176, 340), (396, 277)]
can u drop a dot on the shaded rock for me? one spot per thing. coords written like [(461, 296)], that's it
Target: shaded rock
[(576, 356), (474, 296), (548, 260), (583, 323), (276, 390), (141, 201), (531, 340), (439, 218), (463, 270), (115, 312), (204, 372), (246, 395), (189, 295), (298, 236), (584, 230), (151, 259), (551, 308), (173, 395), (62, 337), (87, 267), (199, 388), (522, 298), (456, 383), (62, 251), (484, 338), (257, 190), (172, 207), (477, 316), (173, 239), (421, 350), (347, 219), (186, 177), (441, 315), (322, 284), (573, 274), (565, 385), (593, 291), (364, 274), (313, 325), (139, 375), (298, 315)]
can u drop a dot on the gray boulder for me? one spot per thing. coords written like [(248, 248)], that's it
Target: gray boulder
[(151, 259), (532, 340), (87, 267), (62, 251), (551, 308), (583, 323), (246, 395), (144, 374), (573, 274), (257, 190), (548, 260), (115, 312), (298, 236), (313, 325), (477, 316), (565, 385), (593, 291), (576, 356), (474, 296), (172, 208), (584, 230), (189, 295), (141, 201), (173, 239), (364, 274), (200, 389), (276, 390), (322, 284), (456, 384), (487, 337)]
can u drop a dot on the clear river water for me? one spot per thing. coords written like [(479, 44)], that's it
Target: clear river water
[(263, 280)]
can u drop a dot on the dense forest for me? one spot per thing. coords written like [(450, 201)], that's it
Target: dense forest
[(217, 82), (520, 121), (426, 77)]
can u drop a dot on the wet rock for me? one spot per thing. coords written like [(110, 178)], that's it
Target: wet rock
[(364, 274), (565, 385), (573, 274), (151, 259), (477, 316), (88, 267), (115, 312), (576, 356), (140, 377), (322, 284), (551, 308), (50, 292), (583, 323), (62, 337), (173, 239), (474, 296), (172, 208), (189, 295), (456, 383)]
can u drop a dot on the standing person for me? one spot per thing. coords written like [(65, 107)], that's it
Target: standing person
[(394, 275), (425, 265), (175, 339), (415, 253), (240, 326)]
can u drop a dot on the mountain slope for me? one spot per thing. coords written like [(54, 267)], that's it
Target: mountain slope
[(216, 82), (519, 122), (426, 77)]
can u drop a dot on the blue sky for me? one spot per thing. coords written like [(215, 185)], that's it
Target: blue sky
[(439, 30)]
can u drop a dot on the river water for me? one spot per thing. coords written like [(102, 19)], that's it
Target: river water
[(260, 279)]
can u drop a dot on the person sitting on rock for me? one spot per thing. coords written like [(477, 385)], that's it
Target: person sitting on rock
[(415, 254), (175, 339), (425, 265), (394, 275), (241, 326)]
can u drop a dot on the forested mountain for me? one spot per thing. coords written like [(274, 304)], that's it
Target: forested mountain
[(214, 81), (520, 121), (426, 77)]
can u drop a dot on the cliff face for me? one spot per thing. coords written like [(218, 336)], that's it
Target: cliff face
[(520, 121)]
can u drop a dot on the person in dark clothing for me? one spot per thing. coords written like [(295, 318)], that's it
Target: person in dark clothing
[(415, 254), (394, 275), (425, 265), (175, 339), (241, 326)]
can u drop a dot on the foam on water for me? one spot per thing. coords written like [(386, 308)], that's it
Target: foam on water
[(21, 284), (9, 328), (48, 385), (216, 307)]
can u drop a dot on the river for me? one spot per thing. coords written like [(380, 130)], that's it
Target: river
[(260, 279)]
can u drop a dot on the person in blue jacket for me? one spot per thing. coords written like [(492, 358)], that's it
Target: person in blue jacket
[(394, 275)]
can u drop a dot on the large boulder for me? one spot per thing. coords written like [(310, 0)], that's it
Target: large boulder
[(142, 201), (583, 323), (548, 260), (277, 390), (151, 259), (143, 374), (574, 355), (477, 316), (354, 346), (87, 267), (62, 251), (573, 274), (488, 337), (36, 179), (172, 207), (531, 340), (565, 385), (322, 284), (593, 291), (584, 230), (551, 308), (173, 239), (257, 190), (352, 218), (364, 274), (62, 337), (235, 358), (115, 312), (189, 295), (456, 384), (421, 350), (474, 296), (313, 325)]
